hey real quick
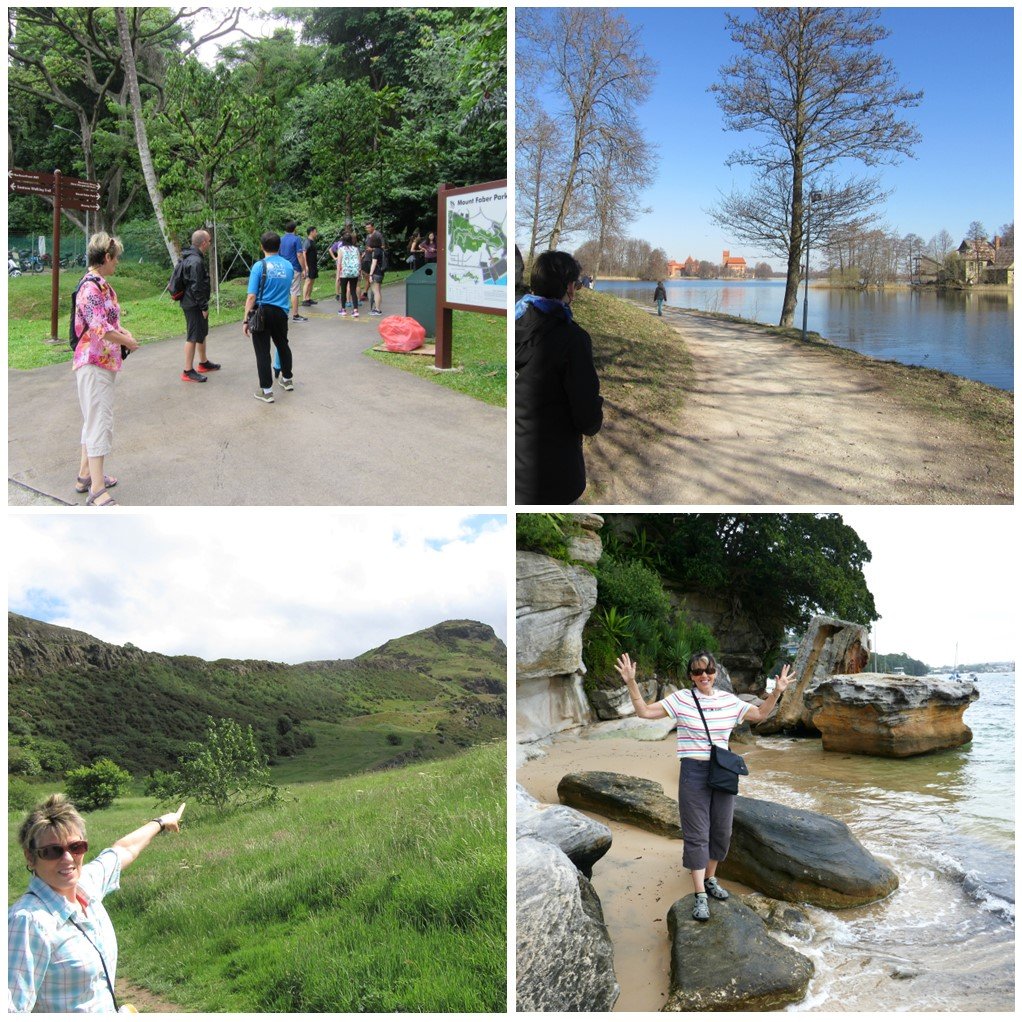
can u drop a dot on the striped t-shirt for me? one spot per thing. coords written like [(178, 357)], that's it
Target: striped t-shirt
[(722, 711)]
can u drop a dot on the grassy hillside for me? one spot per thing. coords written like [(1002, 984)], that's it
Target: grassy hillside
[(73, 698), (378, 893)]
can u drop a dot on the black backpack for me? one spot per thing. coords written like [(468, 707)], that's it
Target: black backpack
[(178, 281)]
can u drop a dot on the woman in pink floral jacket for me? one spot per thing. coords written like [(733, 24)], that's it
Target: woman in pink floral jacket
[(97, 360)]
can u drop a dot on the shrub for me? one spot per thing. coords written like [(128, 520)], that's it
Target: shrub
[(632, 587), (543, 533), (20, 797), (21, 762), (95, 787), (393, 738)]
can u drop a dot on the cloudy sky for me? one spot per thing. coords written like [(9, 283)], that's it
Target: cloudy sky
[(940, 576), (278, 585)]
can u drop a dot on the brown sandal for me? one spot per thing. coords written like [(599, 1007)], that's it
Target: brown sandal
[(82, 483), (99, 493)]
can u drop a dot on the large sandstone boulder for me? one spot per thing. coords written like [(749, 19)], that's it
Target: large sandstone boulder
[(890, 715), (616, 703), (729, 962), (554, 601), (800, 856), (583, 840), (565, 960), (830, 647), (620, 797), (790, 854)]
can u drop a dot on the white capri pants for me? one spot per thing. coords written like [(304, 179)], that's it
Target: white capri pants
[(96, 397)]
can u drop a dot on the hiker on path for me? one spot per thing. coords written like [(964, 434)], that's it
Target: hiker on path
[(292, 250), (707, 814), (377, 267), (311, 266), (61, 945), (269, 288), (97, 361), (557, 392), (347, 274), (195, 306), (660, 296)]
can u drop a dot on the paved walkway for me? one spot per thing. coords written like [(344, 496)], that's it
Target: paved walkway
[(353, 431)]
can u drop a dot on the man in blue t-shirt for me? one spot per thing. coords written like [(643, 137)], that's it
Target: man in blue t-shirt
[(292, 249), (270, 286)]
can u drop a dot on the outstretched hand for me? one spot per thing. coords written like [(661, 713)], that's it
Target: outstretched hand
[(783, 680), (172, 821), (625, 667)]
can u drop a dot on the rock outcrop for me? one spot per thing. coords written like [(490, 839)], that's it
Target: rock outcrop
[(583, 840), (565, 960), (790, 854), (729, 962), (620, 797), (889, 715), (800, 856), (830, 647), (554, 601)]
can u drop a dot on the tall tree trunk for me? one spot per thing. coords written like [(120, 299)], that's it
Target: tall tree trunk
[(141, 138)]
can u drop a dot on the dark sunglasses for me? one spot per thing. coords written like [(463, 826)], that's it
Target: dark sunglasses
[(702, 670), (54, 852)]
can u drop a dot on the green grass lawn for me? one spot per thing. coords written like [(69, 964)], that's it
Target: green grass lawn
[(383, 892)]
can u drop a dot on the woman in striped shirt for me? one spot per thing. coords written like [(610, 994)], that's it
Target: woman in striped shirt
[(706, 814)]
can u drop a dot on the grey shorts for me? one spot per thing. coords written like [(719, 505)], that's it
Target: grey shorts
[(96, 398), (706, 816)]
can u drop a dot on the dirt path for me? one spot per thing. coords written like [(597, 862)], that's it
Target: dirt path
[(144, 1000), (767, 420)]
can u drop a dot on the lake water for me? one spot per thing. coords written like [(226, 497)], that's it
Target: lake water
[(945, 940), (970, 335)]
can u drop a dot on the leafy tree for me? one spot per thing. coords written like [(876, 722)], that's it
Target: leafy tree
[(226, 769), (95, 787), (812, 84)]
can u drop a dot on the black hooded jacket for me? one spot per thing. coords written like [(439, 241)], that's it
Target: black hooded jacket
[(557, 400), (196, 294)]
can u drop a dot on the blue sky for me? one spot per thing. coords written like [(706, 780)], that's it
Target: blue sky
[(963, 171), (288, 586)]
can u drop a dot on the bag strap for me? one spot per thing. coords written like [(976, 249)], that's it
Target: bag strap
[(262, 282), (705, 725)]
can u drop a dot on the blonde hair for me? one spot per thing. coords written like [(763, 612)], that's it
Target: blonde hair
[(102, 245), (57, 812)]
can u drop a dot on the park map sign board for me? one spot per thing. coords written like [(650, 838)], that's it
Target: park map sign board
[(66, 193), (471, 258)]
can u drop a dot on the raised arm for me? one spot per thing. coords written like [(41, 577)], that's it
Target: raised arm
[(626, 669), (132, 845), (758, 713)]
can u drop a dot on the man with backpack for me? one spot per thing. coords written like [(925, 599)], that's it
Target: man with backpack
[(191, 282)]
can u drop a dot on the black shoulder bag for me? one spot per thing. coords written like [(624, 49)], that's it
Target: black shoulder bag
[(725, 766), (257, 318)]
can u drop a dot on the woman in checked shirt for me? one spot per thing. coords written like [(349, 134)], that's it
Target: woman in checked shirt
[(706, 814)]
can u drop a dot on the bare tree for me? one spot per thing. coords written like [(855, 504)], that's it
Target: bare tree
[(599, 68), (539, 173), (811, 84), (940, 245)]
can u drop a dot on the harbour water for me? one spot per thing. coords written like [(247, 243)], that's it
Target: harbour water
[(968, 334), (945, 822)]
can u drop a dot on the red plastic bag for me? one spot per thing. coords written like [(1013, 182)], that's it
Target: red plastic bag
[(401, 333)]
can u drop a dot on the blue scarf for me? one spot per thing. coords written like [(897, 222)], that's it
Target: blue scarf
[(548, 305)]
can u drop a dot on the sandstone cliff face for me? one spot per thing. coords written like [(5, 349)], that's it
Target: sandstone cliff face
[(554, 601), (887, 715), (830, 647)]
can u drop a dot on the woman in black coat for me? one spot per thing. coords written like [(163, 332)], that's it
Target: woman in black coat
[(557, 392)]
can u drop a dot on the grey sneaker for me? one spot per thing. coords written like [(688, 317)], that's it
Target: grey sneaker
[(714, 890), (701, 911), (290, 385), (261, 395)]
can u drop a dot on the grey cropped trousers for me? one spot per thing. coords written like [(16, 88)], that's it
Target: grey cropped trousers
[(706, 816)]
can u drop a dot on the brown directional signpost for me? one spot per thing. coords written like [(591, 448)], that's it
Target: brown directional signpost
[(66, 193), (471, 256)]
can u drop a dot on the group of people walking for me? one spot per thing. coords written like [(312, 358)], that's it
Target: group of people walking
[(279, 284)]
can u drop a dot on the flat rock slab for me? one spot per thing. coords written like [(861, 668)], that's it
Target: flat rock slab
[(729, 962), (621, 797), (790, 854), (564, 956), (890, 715), (583, 840)]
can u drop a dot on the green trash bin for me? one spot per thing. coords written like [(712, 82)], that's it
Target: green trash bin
[(420, 297)]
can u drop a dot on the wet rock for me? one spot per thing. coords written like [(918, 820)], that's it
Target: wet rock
[(830, 646), (790, 854), (621, 797), (565, 960), (779, 915), (730, 962), (799, 856), (584, 841), (889, 715)]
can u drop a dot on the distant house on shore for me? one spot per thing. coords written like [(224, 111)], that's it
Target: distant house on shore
[(733, 266), (675, 269), (979, 262), (689, 268)]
